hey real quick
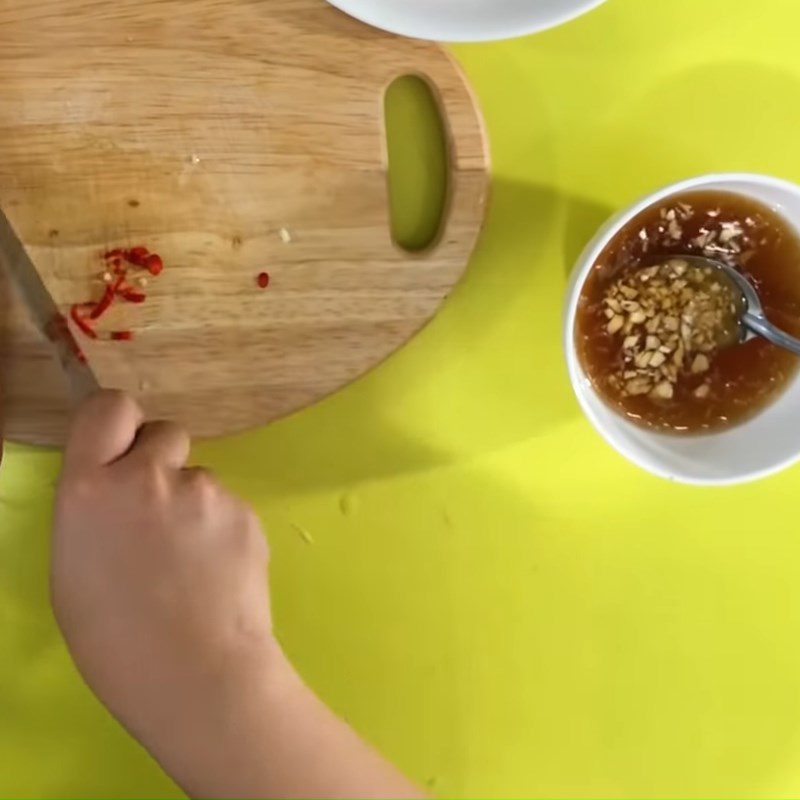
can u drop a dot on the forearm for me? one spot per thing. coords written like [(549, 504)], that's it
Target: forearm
[(159, 585), (269, 736)]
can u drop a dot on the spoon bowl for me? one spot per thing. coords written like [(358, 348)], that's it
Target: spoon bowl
[(753, 318)]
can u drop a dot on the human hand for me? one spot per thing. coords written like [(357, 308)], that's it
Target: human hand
[(158, 580), (159, 585)]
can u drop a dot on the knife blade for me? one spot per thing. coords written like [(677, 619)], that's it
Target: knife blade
[(44, 311)]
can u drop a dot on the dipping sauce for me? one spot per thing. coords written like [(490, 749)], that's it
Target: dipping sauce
[(651, 329)]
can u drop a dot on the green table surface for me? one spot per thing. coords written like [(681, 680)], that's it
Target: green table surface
[(461, 567)]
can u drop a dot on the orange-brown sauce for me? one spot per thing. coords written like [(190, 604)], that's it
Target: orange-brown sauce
[(743, 378)]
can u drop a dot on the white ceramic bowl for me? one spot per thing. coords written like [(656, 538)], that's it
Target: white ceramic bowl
[(765, 444), (464, 20)]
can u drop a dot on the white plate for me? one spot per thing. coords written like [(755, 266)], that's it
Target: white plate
[(464, 20)]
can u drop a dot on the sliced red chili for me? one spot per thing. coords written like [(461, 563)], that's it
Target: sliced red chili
[(84, 326), (133, 296), (105, 303), (154, 264), (137, 255), (83, 314)]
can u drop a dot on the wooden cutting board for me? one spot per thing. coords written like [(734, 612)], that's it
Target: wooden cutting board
[(208, 131)]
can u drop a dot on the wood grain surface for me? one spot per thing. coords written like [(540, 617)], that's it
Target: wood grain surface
[(203, 130)]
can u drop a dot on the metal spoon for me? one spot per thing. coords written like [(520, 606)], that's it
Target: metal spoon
[(752, 318)]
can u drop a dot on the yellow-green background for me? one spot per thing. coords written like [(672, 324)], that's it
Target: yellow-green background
[(492, 595)]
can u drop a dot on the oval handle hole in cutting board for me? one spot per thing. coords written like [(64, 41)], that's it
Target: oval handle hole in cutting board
[(418, 158)]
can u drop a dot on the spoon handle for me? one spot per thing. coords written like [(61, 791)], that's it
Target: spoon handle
[(763, 327)]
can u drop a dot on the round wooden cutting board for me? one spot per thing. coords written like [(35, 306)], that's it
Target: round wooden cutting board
[(230, 137)]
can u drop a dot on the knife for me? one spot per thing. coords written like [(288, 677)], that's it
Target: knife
[(44, 312)]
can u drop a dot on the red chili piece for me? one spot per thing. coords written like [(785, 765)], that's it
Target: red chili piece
[(84, 326), (105, 303), (116, 259), (133, 296), (137, 255), (153, 264), (263, 280)]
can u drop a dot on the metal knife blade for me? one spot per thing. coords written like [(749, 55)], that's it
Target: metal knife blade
[(44, 311)]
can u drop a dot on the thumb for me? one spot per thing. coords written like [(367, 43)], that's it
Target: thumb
[(103, 430)]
